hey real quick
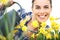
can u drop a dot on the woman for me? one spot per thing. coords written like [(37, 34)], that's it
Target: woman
[(40, 11)]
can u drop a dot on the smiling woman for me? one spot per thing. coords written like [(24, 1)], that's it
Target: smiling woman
[(40, 13), (41, 10)]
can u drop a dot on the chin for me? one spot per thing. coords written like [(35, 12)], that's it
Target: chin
[(44, 20), (41, 21)]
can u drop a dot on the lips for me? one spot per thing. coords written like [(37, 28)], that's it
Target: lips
[(41, 17)]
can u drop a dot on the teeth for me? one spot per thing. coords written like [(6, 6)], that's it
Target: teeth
[(42, 16)]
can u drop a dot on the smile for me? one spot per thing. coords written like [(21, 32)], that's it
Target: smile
[(42, 16)]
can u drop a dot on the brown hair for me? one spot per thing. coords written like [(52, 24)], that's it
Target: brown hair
[(49, 0)]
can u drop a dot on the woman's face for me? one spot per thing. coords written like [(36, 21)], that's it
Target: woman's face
[(41, 10)]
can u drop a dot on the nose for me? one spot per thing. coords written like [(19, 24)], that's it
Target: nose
[(42, 11)]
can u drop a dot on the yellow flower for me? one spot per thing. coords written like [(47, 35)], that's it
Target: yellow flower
[(43, 24), (57, 18), (2, 37), (48, 36), (22, 22), (53, 23), (37, 34), (15, 31), (4, 1), (52, 18), (18, 26), (24, 28), (56, 36), (35, 24), (33, 35), (56, 27), (42, 30), (49, 29)]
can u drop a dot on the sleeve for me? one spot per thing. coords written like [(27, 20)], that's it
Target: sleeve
[(17, 32)]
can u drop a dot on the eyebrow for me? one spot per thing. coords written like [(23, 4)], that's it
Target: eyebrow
[(46, 5), (36, 5)]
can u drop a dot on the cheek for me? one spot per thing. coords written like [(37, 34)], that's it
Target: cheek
[(34, 14), (35, 11), (49, 12)]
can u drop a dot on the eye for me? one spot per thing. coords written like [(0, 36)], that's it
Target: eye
[(37, 7), (46, 6)]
